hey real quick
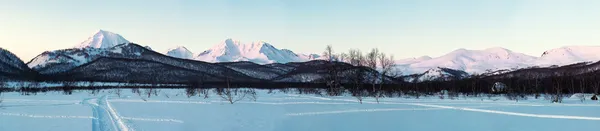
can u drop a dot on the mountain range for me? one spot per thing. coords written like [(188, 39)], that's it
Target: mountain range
[(460, 62), (498, 59), (258, 52)]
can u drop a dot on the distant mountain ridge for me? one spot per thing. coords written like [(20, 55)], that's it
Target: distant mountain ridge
[(258, 52), (488, 61)]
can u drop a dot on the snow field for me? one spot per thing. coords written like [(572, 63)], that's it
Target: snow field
[(286, 112)]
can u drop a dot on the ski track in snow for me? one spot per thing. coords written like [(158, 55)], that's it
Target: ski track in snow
[(102, 121), (156, 101), (512, 113), (296, 103), (44, 116), (41, 101), (477, 110), (371, 110), (153, 120), (359, 110), (199, 102), (107, 118), (114, 115)]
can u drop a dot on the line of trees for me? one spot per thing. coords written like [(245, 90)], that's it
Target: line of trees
[(369, 73), (365, 83)]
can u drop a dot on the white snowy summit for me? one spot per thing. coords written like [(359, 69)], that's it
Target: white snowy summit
[(258, 52), (103, 39), (180, 52), (470, 61), (569, 55)]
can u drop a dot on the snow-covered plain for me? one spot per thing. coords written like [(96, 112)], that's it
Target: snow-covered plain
[(172, 110)]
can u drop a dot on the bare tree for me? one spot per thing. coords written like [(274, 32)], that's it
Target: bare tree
[(233, 95), (582, 85), (343, 57), (557, 98), (356, 59), (1, 98), (328, 53), (386, 63), (150, 91), (118, 91), (191, 92), (204, 92), (371, 60), (333, 71), (136, 91), (251, 94), (596, 87)]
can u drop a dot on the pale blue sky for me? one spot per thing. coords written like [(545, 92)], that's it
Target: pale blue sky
[(406, 28)]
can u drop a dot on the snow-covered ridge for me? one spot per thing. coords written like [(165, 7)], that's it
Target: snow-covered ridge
[(471, 61), (497, 58), (258, 52), (10, 59), (62, 60), (483, 61), (569, 55), (11, 67)]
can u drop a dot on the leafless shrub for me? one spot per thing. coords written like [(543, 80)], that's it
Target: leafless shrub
[(233, 95), (93, 92), (1, 99), (190, 92), (453, 95), (547, 97), (557, 98), (149, 92), (359, 94), (118, 91), (204, 92)]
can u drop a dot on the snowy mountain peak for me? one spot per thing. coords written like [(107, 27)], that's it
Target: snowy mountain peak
[(572, 49), (498, 50), (460, 50), (103, 39), (424, 58), (258, 52), (180, 52), (569, 55), (471, 61)]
